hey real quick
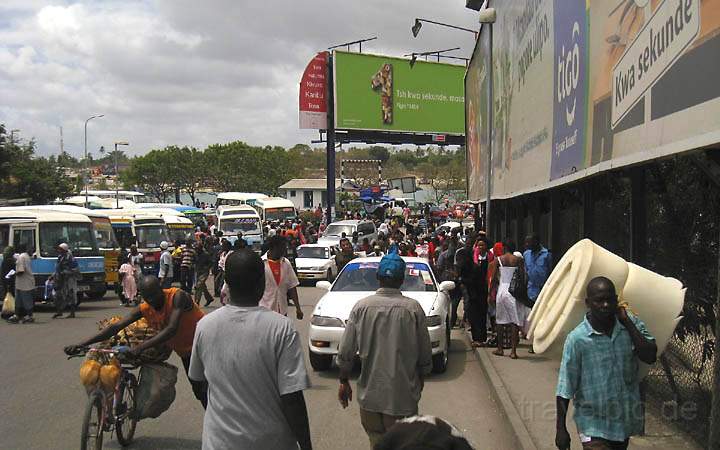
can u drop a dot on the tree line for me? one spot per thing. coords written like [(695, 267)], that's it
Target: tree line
[(234, 166)]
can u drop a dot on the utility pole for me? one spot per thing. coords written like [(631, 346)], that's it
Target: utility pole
[(330, 149), (62, 146)]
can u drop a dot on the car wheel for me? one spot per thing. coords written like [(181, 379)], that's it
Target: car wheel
[(440, 360), (320, 363)]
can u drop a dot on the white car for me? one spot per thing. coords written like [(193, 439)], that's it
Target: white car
[(333, 233), (358, 280), (316, 262)]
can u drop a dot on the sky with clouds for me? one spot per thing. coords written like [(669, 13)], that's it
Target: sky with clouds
[(184, 72)]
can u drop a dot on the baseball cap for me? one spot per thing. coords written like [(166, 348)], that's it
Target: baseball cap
[(392, 265), (64, 246), (164, 245)]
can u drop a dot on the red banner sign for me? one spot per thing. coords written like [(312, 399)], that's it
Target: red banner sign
[(313, 93)]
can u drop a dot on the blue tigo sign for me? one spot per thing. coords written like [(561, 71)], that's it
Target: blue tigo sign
[(570, 94)]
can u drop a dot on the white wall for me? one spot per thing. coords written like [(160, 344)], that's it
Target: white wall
[(299, 199)]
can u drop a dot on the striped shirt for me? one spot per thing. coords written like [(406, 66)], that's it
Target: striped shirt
[(188, 257)]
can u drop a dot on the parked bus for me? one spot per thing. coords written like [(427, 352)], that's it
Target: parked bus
[(238, 198), (197, 215), (134, 196), (274, 209), (241, 219), (104, 235), (42, 231), (146, 230)]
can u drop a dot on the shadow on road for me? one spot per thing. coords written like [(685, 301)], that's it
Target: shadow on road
[(154, 443)]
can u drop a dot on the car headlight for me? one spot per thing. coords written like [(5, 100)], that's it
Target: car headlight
[(434, 321), (318, 269), (322, 321)]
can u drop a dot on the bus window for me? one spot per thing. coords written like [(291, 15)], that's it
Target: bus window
[(79, 236), (25, 236), (4, 236)]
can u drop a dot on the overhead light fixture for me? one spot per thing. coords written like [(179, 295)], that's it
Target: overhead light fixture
[(416, 27), (413, 58)]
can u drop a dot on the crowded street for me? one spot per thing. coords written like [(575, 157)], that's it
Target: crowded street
[(47, 401)]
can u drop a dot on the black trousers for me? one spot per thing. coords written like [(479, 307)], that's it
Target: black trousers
[(477, 316), (200, 388)]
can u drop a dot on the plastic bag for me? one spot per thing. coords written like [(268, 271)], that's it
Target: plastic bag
[(8, 307), (156, 390)]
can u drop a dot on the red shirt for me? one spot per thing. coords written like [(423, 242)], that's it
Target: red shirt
[(275, 268)]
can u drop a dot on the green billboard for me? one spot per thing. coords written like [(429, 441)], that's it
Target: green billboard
[(381, 93)]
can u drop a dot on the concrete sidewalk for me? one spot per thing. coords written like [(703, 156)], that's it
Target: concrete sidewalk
[(525, 389)]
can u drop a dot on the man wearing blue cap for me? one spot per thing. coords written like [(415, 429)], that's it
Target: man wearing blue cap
[(388, 332)]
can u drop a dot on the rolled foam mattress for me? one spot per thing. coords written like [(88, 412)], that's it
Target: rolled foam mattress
[(657, 300)]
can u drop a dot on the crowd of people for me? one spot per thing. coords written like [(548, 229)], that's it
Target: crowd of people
[(496, 284)]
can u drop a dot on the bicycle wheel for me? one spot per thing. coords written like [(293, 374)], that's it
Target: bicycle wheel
[(92, 428), (125, 421)]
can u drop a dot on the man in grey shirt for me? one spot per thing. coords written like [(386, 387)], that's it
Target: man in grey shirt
[(165, 274), (253, 362), (24, 287), (389, 332)]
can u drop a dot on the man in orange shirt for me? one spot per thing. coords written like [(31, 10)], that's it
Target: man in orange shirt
[(170, 311)]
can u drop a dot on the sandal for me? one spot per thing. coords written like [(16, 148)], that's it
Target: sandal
[(498, 353), (513, 356)]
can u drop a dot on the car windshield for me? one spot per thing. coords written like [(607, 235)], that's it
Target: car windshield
[(313, 252), (240, 224), (150, 236), (338, 230), (363, 277), (79, 236)]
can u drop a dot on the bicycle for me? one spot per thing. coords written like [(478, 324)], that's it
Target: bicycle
[(110, 411)]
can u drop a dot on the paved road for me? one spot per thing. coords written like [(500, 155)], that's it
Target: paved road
[(42, 400)]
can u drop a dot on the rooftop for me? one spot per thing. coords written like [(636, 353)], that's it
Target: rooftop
[(318, 184)]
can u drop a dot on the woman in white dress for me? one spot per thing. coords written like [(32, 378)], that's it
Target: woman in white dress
[(508, 311)]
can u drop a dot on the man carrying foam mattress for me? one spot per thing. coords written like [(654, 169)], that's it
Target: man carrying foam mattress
[(599, 372)]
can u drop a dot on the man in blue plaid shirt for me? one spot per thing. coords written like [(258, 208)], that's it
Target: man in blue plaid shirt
[(599, 372)]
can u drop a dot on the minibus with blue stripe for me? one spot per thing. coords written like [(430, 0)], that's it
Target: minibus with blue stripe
[(42, 231)]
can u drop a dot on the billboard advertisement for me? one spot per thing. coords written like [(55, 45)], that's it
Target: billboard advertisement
[(477, 132), (382, 93), (586, 86)]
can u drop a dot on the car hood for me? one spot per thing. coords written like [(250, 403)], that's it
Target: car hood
[(331, 240), (310, 262), (339, 304)]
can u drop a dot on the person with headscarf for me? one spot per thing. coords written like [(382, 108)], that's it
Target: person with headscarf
[(65, 278)]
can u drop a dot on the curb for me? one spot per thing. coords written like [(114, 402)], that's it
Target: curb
[(502, 397)]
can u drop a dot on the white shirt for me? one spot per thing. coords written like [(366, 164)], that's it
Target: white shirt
[(275, 296), (250, 357)]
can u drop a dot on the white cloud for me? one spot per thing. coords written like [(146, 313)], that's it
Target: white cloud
[(187, 72)]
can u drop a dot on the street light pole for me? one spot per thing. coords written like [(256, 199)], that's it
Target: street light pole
[(117, 175), (87, 166)]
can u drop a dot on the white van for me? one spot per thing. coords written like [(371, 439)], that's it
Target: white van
[(274, 209), (241, 219), (238, 198)]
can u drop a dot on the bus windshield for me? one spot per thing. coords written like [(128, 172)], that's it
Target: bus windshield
[(240, 225), (79, 236), (150, 236), (104, 233), (279, 213)]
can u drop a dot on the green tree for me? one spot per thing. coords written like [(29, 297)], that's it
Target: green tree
[(26, 175), (237, 166), (152, 173)]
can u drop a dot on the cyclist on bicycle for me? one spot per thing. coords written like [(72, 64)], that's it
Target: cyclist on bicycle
[(170, 311)]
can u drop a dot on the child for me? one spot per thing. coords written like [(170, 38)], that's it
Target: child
[(127, 275)]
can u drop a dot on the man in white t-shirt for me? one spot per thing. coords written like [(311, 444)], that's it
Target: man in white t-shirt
[(255, 398)]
